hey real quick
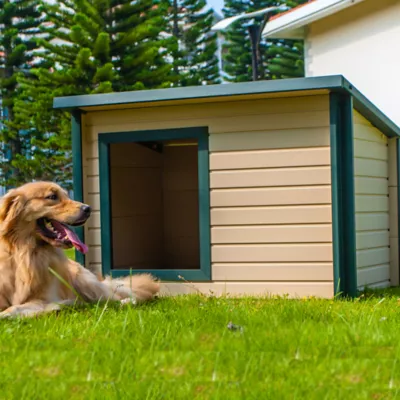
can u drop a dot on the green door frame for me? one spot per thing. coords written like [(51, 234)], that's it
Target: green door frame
[(199, 133), (77, 171)]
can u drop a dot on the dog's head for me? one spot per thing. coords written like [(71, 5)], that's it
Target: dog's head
[(42, 210)]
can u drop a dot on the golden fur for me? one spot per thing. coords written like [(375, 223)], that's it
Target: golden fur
[(35, 274)]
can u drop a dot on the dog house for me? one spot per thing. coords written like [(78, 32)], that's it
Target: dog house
[(272, 187)]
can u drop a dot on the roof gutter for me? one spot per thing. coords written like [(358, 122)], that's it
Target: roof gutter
[(290, 25), (334, 83), (198, 92)]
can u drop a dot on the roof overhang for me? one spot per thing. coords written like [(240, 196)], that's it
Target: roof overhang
[(292, 24), (233, 91)]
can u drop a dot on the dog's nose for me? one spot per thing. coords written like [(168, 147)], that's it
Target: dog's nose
[(86, 209)]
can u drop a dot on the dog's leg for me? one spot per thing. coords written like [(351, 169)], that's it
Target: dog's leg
[(129, 290), (30, 309), (89, 288)]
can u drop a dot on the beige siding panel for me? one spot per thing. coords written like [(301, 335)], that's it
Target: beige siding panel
[(271, 253), (393, 205), (379, 285), (273, 272), (293, 138), (271, 177), (93, 149), (233, 123), (93, 237), (371, 134), (299, 157), (359, 119), (94, 254), (270, 196), (371, 168), (240, 289), (211, 110), (370, 240), (372, 222), (371, 185), (373, 150), (93, 185), (94, 201), (366, 276), (392, 154), (93, 166), (272, 234), (370, 257), (271, 215), (393, 213), (277, 133), (94, 219), (368, 133), (372, 204)]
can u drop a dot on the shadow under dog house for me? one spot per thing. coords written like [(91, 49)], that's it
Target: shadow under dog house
[(272, 187)]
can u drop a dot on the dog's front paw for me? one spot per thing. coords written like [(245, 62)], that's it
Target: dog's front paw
[(29, 310), (5, 314), (11, 312), (128, 300)]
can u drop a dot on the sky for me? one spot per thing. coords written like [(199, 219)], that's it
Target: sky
[(216, 5)]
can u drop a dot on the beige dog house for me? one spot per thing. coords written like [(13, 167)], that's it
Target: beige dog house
[(272, 187)]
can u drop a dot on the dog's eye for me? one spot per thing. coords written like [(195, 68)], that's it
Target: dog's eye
[(52, 197)]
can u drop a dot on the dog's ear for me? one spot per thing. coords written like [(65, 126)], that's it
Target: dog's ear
[(11, 206)]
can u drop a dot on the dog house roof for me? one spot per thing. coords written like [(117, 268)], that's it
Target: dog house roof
[(274, 88)]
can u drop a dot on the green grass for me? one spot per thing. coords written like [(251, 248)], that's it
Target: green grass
[(180, 348), (70, 253)]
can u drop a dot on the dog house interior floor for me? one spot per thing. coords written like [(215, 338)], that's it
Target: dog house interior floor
[(154, 205)]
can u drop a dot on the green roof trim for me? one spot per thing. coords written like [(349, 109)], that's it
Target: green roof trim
[(334, 83), (198, 92), (372, 113)]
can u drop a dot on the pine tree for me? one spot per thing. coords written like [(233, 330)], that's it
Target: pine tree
[(237, 49), (89, 46), (49, 156), (19, 24), (286, 56), (109, 45), (194, 46), (286, 59), (280, 58)]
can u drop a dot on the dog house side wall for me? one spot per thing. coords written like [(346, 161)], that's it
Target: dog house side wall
[(271, 219), (375, 169)]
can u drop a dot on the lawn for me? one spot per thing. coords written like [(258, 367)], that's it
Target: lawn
[(181, 348), (70, 253)]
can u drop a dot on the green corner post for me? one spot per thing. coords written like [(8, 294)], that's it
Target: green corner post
[(398, 192), (76, 133), (343, 198)]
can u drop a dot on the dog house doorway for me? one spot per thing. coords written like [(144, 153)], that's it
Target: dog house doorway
[(154, 193)]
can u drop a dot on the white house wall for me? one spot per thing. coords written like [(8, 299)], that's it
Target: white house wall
[(360, 43)]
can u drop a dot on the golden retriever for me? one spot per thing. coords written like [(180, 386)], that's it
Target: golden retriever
[(35, 275)]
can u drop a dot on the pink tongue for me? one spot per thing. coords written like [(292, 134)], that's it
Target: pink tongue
[(72, 236), (78, 244)]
